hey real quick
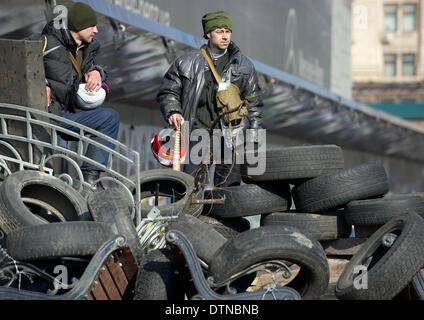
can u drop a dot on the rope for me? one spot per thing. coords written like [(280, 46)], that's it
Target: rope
[(271, 290)]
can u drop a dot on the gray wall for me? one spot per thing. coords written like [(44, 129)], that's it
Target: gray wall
[(290, 35), (340, 72)]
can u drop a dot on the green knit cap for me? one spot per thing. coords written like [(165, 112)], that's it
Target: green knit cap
[(215, 20), (81, 16)]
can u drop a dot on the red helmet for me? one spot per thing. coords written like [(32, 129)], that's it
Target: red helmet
[(161, 155)]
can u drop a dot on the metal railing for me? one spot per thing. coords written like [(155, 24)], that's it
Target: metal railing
[(30, 120)]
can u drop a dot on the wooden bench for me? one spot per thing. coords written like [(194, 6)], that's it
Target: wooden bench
[(110, 275)]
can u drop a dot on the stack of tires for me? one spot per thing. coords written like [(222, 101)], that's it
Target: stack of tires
[(324, 193), (328, 199), (305, 196), (221, 235), (308, 188), (389, 264), (223, 241), (396, 215), (46, 222), (240, 257), (284, 185)]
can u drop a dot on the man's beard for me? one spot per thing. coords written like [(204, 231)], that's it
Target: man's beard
[(87, 41)]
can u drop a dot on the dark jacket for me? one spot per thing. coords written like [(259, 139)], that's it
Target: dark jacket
[(60, 74), (183, 83)]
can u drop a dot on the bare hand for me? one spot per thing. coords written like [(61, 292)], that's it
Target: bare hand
[(49, 95), (176, 120), (93, 80)]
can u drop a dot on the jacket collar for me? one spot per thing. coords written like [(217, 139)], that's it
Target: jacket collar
[(233, 51)]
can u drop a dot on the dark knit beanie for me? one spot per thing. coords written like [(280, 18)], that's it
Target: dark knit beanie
[(81, 16), (215, 20)]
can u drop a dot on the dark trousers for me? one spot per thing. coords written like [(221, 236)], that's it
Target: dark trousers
[(226, 175), (104, 120)]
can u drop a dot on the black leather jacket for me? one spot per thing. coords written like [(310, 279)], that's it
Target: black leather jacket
[(182, 85), (59, 69)]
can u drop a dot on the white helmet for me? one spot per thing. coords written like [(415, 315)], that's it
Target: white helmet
[(88, 100)]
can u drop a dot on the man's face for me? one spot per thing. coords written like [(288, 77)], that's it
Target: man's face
[(220, 38), (86, 35)]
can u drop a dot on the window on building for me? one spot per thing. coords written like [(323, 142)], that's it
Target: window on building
[(408, 64), (409, 19), (390, 65), (390, 17)]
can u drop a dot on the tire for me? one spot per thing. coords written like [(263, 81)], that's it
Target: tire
[(391, 269), (229, 227), (111, 207), (275, 243), (293, 164), (248, 200), (171, 183), (54, 240), (336, 190), (418, 284), (47, 193), (323, 226), (156, 276), (2, 238), (380, 211), (204, 238)]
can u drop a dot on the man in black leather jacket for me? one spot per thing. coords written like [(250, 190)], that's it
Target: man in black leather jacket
[(188, 90), (62, 79)]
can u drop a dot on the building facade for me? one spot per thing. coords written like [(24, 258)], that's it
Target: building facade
[(388, 56)]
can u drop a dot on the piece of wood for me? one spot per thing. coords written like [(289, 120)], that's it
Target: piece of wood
[(176, 162), (336, 267), (97, 291), (117, 277), (117, 274), (109, 285), (129, 264), (342, 247)]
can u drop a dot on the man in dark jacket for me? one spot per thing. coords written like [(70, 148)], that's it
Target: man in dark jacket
[(188, 91), (62, 79)]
